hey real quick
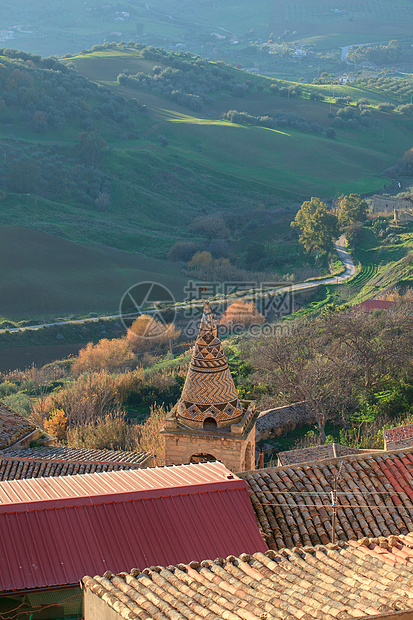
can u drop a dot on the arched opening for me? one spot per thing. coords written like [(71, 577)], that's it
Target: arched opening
[(202, 458), (210, 424), (248, 462)]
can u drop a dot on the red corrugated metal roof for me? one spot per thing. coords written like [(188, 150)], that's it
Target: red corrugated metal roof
[(55, 530)]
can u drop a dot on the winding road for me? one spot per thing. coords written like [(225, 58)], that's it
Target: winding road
[(344, 256)]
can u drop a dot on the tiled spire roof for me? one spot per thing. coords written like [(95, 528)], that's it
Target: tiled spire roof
[(209, 390)]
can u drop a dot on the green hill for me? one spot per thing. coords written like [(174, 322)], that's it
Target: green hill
[(130, 162)]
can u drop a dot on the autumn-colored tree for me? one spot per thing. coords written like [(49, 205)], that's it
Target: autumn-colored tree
[(89, 399), (148, 435), (111, 433), (111, 355), (56, 424), (242, 313), (201, 259), (317, 225), (147, 333)]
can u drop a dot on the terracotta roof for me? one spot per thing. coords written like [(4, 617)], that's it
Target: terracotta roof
[(399, 437), (55, 530), (13, 427), (209, 390), (373, 304), (347, 580), (375, 495), (315, 453), (18, 463)]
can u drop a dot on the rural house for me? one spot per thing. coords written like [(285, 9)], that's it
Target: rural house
[(374, 498), (17, 431), (398, 437)]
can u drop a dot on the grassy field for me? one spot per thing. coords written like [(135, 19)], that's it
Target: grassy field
[(208, 166), (275, 158), (60, 26), (47, 276)]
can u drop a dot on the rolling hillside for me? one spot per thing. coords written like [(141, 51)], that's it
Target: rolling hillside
[(131, 163)]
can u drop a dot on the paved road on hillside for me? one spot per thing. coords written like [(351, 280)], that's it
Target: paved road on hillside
[(350, 270)]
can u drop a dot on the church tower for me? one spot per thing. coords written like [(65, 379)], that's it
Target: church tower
[(209, 421)]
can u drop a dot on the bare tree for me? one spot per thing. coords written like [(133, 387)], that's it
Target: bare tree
[(302, 366), (378, 344)]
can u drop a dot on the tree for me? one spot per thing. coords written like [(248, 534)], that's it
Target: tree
[(56, 424), (377, 345), (318, 227), (146, 334), (111, 355), (243, 314), (210, 226), (351, 209), (24, 176), (91, 146), (255, 254), (299, 366), (148, 435)]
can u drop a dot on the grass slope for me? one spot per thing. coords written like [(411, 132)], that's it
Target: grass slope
[(386, 264), (209, 166), (276, 158), (50, 276)]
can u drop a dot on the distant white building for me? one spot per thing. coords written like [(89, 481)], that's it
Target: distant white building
[(6, 35)]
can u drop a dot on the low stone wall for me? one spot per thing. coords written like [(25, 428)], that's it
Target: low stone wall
[(275, 422)]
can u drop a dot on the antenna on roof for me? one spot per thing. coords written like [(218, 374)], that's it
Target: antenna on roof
[(334, 504)]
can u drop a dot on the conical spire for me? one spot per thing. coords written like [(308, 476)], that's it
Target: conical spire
[(209, 390)]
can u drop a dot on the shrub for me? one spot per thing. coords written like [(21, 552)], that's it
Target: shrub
[(111, 433), (243, 314), (148, 437), (146, 334), (56, 424), (111, 355)]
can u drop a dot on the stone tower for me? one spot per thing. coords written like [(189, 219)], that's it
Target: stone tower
[(209, 422)]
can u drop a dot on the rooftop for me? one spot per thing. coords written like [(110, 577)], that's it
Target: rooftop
[(374, 493), (13, 427), (347, 580), (373, 304), (315, 453), (19, 463), (399, 437), (114, 519)]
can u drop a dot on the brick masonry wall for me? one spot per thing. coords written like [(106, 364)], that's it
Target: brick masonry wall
[(232, 451)]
